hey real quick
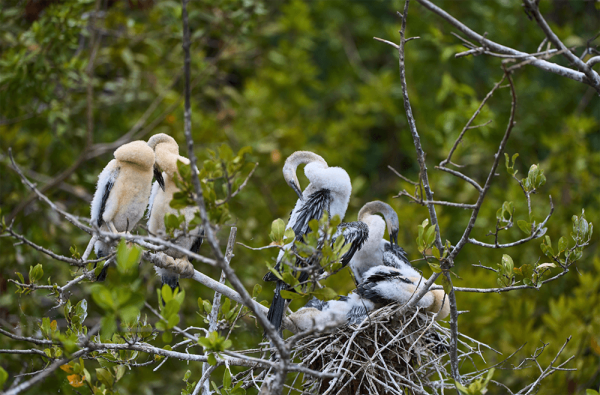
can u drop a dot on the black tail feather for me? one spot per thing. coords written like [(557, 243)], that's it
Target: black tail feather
[(102, 276), (277, 309), (172, 281)]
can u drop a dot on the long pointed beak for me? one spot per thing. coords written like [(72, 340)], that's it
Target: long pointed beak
[(159, 178), (296, 189), (394, 236)]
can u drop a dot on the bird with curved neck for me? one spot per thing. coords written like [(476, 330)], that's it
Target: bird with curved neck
[(121, 195), (328, 191), (376, 250), (166, 151)]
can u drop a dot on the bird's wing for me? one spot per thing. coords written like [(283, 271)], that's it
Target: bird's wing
[(356, 233), (395, 256), (316, 303), (313, 207), (382, 285), (106, 180), (196, 244), (155, 188)]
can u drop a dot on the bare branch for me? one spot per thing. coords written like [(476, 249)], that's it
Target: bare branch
[(401, 176), (461, 176), (436, 202), (542, 64), (469, 122), (216, 305), (511, 122), (592, 77), (415, 133)]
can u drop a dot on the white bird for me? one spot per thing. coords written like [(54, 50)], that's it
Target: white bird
[(121, 195), (351, 309), (166, 151), (384, 285), (328, 191), (376, 250)]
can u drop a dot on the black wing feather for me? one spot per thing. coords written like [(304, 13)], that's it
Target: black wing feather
[(196, 245), (394, 256), (313, 208), (107, 188), (368, 288), (355, 233), (316, 303)]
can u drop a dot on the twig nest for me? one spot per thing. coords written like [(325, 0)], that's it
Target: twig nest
[(390, 352)]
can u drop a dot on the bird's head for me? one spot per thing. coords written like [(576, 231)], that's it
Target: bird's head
[(136, 152), (166, 152), (390, 216), (292, 163)]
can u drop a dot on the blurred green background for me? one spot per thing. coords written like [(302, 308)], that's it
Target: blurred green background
[(286, 76)]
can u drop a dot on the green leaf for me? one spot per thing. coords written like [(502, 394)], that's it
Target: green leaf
[(587, 392), (207, 306), (105, 377), (324, 294), (127, 257), (524, 226), (434, 266), (103, 297), (461, 388), (430, 236), (3, 377), (275, 272), (290, 295), (35, 273), (562, 244), (108, 326), (227, 379), (289, 279), (277, 230), (508, 263), (166, 293), (446, 284), (226, 306), (119, 372), (187, 375), (212, 361)]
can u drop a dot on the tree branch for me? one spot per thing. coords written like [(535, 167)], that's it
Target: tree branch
[(542, 64)]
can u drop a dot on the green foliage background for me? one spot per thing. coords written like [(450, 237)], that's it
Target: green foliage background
[(287, 76)]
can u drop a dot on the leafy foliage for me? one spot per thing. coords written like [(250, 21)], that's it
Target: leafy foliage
[(278, 78)]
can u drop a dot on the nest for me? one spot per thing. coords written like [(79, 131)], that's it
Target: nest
[(392, 352)]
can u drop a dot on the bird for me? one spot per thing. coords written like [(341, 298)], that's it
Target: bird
[(384, 285), (328, 191), (121, 195), (351, 309), (166, 151), (376, 250)]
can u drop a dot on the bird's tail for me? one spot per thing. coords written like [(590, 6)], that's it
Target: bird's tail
[(172, 280), (275, 314), (101, 250)]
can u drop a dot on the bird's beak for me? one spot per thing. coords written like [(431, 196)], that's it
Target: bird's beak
[(159, 178), (394, 236), (296, 187)]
